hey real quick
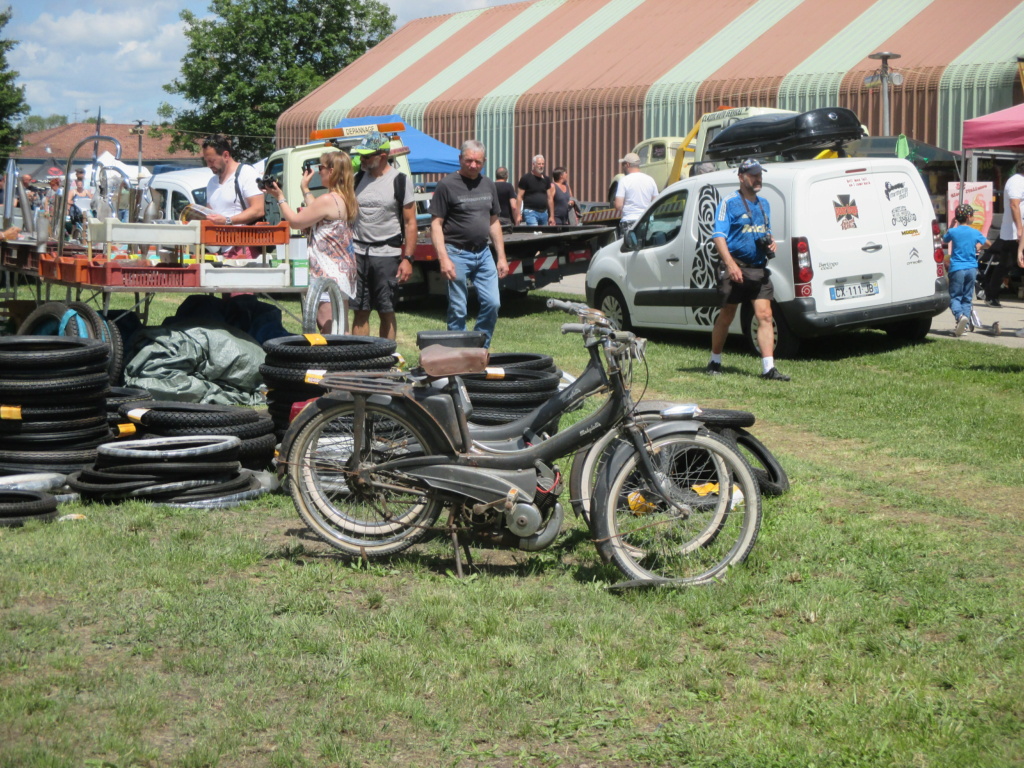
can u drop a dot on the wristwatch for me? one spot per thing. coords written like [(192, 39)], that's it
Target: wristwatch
[(227, 220), (407, 258)]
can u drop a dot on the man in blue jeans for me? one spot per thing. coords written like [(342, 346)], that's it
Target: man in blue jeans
[(464, 213)]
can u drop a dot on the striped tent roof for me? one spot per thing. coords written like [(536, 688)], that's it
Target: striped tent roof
[(582, 81)]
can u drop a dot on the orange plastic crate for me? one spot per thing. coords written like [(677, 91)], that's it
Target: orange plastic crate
[(136, 275), (48, 266), (73, 269), (256, 235), (96, 272)]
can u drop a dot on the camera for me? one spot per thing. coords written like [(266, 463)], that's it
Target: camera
[(765, 241), (265, 181), (312, 164)]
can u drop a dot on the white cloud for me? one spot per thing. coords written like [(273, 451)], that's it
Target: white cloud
[(117, 55)]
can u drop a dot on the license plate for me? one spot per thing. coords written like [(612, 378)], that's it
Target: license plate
[(853, 290)]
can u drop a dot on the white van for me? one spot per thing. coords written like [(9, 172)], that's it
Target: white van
[(176, 189), (858, 247)]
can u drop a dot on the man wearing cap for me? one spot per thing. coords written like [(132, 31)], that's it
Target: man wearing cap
[(384, 234), (743, 237), (535, 199), (634, 192)]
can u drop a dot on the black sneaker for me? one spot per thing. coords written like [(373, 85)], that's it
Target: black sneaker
[(993, 303), (774, 375), (713, 369)]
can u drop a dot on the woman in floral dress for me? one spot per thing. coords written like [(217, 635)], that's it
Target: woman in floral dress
[(328, 218)]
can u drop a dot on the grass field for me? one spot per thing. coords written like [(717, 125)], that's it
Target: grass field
[(878, 621)]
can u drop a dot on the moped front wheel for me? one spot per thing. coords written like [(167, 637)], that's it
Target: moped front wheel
[(345, 496), (703, 520)]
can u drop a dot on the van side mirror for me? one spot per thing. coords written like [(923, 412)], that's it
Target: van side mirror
[(630, 242)]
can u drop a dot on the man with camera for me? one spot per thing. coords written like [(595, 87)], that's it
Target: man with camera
[(743, 237), (232, 193)]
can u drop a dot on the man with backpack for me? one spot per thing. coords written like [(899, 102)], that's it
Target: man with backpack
[(384, 235), (232, 193)]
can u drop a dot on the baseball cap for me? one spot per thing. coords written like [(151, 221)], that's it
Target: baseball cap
[(750, 166), (632, 158), (371, 144)]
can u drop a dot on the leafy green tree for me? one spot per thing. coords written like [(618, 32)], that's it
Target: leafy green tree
[(36, 123), (255, 58), (12, 97)]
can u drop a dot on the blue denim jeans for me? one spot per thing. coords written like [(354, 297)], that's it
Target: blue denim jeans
[(533, 218), (961, 292), (479, 267)]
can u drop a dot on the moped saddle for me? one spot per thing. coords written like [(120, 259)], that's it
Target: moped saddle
[(438, 361)]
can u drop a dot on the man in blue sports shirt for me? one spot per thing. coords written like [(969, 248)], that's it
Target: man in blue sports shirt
[(744, 241)]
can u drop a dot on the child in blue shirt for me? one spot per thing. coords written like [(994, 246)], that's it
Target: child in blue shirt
[(962, 265)]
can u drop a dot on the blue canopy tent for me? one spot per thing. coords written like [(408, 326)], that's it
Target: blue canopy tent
[(426, 154)]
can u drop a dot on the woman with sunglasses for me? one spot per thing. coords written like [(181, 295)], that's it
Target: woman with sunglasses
[(329, 219)]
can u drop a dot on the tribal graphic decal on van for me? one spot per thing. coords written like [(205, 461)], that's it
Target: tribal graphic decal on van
[(847, 212), (705, 259)]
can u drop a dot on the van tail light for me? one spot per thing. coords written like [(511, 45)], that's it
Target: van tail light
[(803, 272), (939, 253)]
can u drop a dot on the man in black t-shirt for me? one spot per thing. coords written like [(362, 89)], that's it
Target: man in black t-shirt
[(464, 213), (507, 199), (536, 195)]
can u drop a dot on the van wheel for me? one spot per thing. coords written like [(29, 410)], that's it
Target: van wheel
[(609, 300), (787, 345), (915, 329)]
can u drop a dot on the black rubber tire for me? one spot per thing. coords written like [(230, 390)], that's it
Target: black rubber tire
[(173, 469), (22, 427), (771, 477), (298, 349), (787, 344), (262, 426), (491, 416), (311, 303), (276, 376), (63, 468), (120, 395), (110, 489), (33, 481), (58, 412), (162, 414), (45, 388), (45, 320), (529, 361), (48, 458), (913, 330), (225, 487), (257, 446), (98, 328), (515, 380), (48, 353), (369, 364), (27, 374), (20, 507), (609, 300), (60, 438), (200, 448), (649, 540), (513, 399)]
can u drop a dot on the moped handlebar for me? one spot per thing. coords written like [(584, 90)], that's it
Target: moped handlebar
[(574, 327)]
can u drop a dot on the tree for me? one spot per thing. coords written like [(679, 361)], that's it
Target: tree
[(12, 97), (36, 123), (256, 58)]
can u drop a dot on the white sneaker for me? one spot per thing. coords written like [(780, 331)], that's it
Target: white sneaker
[(961, 326)]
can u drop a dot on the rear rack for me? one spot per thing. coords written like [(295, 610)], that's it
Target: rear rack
[(369, 382)]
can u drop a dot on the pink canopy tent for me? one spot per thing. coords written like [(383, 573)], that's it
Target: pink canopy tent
[(1003, 129)]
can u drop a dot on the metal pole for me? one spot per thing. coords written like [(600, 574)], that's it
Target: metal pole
[(884, 56)]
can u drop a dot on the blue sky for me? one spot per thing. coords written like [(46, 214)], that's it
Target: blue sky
[(73, 57)]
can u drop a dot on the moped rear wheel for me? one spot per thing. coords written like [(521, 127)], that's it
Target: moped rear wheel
[(343, 497), (712, 526)]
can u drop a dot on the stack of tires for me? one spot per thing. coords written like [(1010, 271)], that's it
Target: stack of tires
[(530, 380), (53, 393), (295, 364), (122, 396), (201, 471), (79, 320), (162, 418)]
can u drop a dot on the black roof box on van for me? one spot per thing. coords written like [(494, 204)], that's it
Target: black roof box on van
[(783, 134)]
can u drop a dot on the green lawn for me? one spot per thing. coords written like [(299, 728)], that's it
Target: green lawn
[(878, 621)]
